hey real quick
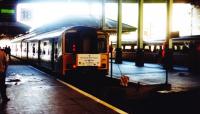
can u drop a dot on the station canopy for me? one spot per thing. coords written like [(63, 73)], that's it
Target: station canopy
[(89, 21), (12, 28)]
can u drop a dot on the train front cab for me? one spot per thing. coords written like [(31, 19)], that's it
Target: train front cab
[(85, 50)]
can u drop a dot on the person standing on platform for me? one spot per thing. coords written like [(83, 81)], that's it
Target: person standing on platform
[(3, 68), (9, 52)]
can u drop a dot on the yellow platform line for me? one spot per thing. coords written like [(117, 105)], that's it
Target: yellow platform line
[(93, 98)]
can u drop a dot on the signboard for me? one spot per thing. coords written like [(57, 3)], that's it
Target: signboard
[(88, 60), (7, 11)]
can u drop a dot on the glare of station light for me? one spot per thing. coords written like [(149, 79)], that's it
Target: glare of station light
[(154, 19), (4, 43), (37, 14), (182, 19)]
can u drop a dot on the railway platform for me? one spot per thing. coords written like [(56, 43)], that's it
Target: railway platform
[(153, 74), (34, 92), (153, 96)]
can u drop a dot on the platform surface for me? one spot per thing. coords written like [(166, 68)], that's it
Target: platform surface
[(180, 78), (34, 92)]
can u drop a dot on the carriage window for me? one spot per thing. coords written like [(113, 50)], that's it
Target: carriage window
[(33, 48), (135, 47), (181, 47), (175, 48), (45, 43), (43, 52), (102, 47), (146, 47), (83, 43), (68, 44), (157, 47), (127, 47), (87, 44), (56, 50)]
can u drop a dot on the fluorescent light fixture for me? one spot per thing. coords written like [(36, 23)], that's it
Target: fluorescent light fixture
[(38, 14)]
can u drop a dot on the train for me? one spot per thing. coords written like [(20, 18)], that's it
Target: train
[(129, 48), (186, 51), (66, 50)]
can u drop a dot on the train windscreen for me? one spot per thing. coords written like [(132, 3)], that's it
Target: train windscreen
[(102, 45), (85, 42)]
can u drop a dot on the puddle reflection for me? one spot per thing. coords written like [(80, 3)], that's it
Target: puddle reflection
[(14, 79)]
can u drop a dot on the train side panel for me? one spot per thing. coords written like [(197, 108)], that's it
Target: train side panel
[(75, 50)]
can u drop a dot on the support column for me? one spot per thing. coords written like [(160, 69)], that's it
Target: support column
[(103, 15), (140, 51), (118, 57), (168, 43)]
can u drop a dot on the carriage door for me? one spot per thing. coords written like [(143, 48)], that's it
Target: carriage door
[(69, 51)]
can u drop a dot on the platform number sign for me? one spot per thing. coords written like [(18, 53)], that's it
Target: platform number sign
[(26, 14)]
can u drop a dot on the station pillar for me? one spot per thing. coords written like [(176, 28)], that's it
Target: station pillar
[(140, 51), (118, 56), (139, 58), (168, 58), (103, 25)]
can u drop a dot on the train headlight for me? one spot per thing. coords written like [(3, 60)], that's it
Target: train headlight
[(104, 60), (74, 66)]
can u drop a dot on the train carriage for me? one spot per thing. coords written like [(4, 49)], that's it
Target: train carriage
[(85, 49), (67, 50), (187, 52)]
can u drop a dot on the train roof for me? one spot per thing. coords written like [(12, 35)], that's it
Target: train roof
[(87, 21), (186, 38), (55, 33), (135, 42), (47, 35), (22, 37)]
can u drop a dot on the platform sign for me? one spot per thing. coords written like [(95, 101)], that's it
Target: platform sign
[(7, 11), (88, 60)]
